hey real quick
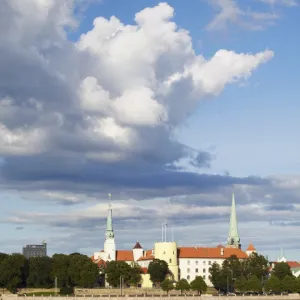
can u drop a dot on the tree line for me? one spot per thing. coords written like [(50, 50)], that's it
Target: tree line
[(253, 275), (72, 270)]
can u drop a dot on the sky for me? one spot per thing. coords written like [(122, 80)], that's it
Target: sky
[(169, 106)]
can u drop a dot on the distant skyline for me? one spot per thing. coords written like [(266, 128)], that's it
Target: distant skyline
[(164, 104)]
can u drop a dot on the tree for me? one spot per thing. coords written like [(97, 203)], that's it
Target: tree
[(281, 270), (254, 284), (40, 272), (199, 285), (182, 285), (82, 271), (273, 284), (135, 275), (241, 284), (13, 272), (60, 269), (297, 285), (167, 285), (288, 284), (215, 277), (114, 270), (256, 265), (158, 269)]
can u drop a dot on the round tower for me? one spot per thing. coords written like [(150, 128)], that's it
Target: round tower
[(167, 251)]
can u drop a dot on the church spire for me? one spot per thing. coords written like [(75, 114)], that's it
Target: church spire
[(109, 224), (109, 244), (233, 235)]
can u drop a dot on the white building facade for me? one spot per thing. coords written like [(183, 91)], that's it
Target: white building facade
[(183, 262)]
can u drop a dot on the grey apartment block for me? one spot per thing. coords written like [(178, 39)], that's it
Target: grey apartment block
[(35, 250)]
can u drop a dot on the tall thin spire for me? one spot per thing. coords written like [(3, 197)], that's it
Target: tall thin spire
[(233, 235), (109, 224)]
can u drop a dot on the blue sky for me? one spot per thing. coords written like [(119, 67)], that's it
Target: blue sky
[(167, 114)]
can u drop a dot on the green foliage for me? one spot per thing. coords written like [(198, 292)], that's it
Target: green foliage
[(167, 285), (282, 269), (182, 285), (135, 275), (158, 269), (114, 270), (82, 271), (256, 265), (199, 285), (297, 285), (66, 290), (254, 284), (273, 284), (236, 273), (216, 277), (40, 272), (288, 284), (13, 272), (240, 284)]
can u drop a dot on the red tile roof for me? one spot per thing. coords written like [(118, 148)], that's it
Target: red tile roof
[(147, 256), (199, 252), (292, 264), (124, 255), (137, 246), (251, 247)]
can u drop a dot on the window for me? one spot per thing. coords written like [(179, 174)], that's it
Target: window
[(204, 262), (204, 270), (188, 277), (196, 270), (204, 277), (196, 262), (188, 270), (188, 262), (170, 260), (164, 252), (209, 262)]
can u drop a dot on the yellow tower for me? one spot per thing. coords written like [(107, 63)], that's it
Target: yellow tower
[(167, 251)]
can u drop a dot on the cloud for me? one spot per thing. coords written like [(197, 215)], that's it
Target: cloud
[(81, 119), (281, 2), (231, 12), (188, 217), (103, 110)]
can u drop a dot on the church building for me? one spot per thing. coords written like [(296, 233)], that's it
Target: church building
[(183, 262)]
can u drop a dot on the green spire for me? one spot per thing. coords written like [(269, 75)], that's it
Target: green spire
[(109, 224), (233, 234)]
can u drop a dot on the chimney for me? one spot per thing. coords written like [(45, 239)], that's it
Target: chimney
[(222, 251)]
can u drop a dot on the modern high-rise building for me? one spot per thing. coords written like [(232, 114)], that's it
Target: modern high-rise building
[(35, 250)]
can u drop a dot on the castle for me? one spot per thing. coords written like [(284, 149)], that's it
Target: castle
[(183, 262)]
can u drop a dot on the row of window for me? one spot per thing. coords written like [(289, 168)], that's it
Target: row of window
[(196, 270), (204, 262)]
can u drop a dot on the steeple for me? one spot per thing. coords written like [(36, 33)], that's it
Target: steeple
[(233, 240), (109, 224), (109, 244)]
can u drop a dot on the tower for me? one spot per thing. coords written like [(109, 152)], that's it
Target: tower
[(167, 251), (233, 240), (109, 244)]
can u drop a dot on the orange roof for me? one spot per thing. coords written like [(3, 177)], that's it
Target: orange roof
[(147, 256), (197, 252), (251, 247), (124, 255), (293, 264), (144, 270)]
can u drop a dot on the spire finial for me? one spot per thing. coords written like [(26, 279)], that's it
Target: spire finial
[(109, 199)]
